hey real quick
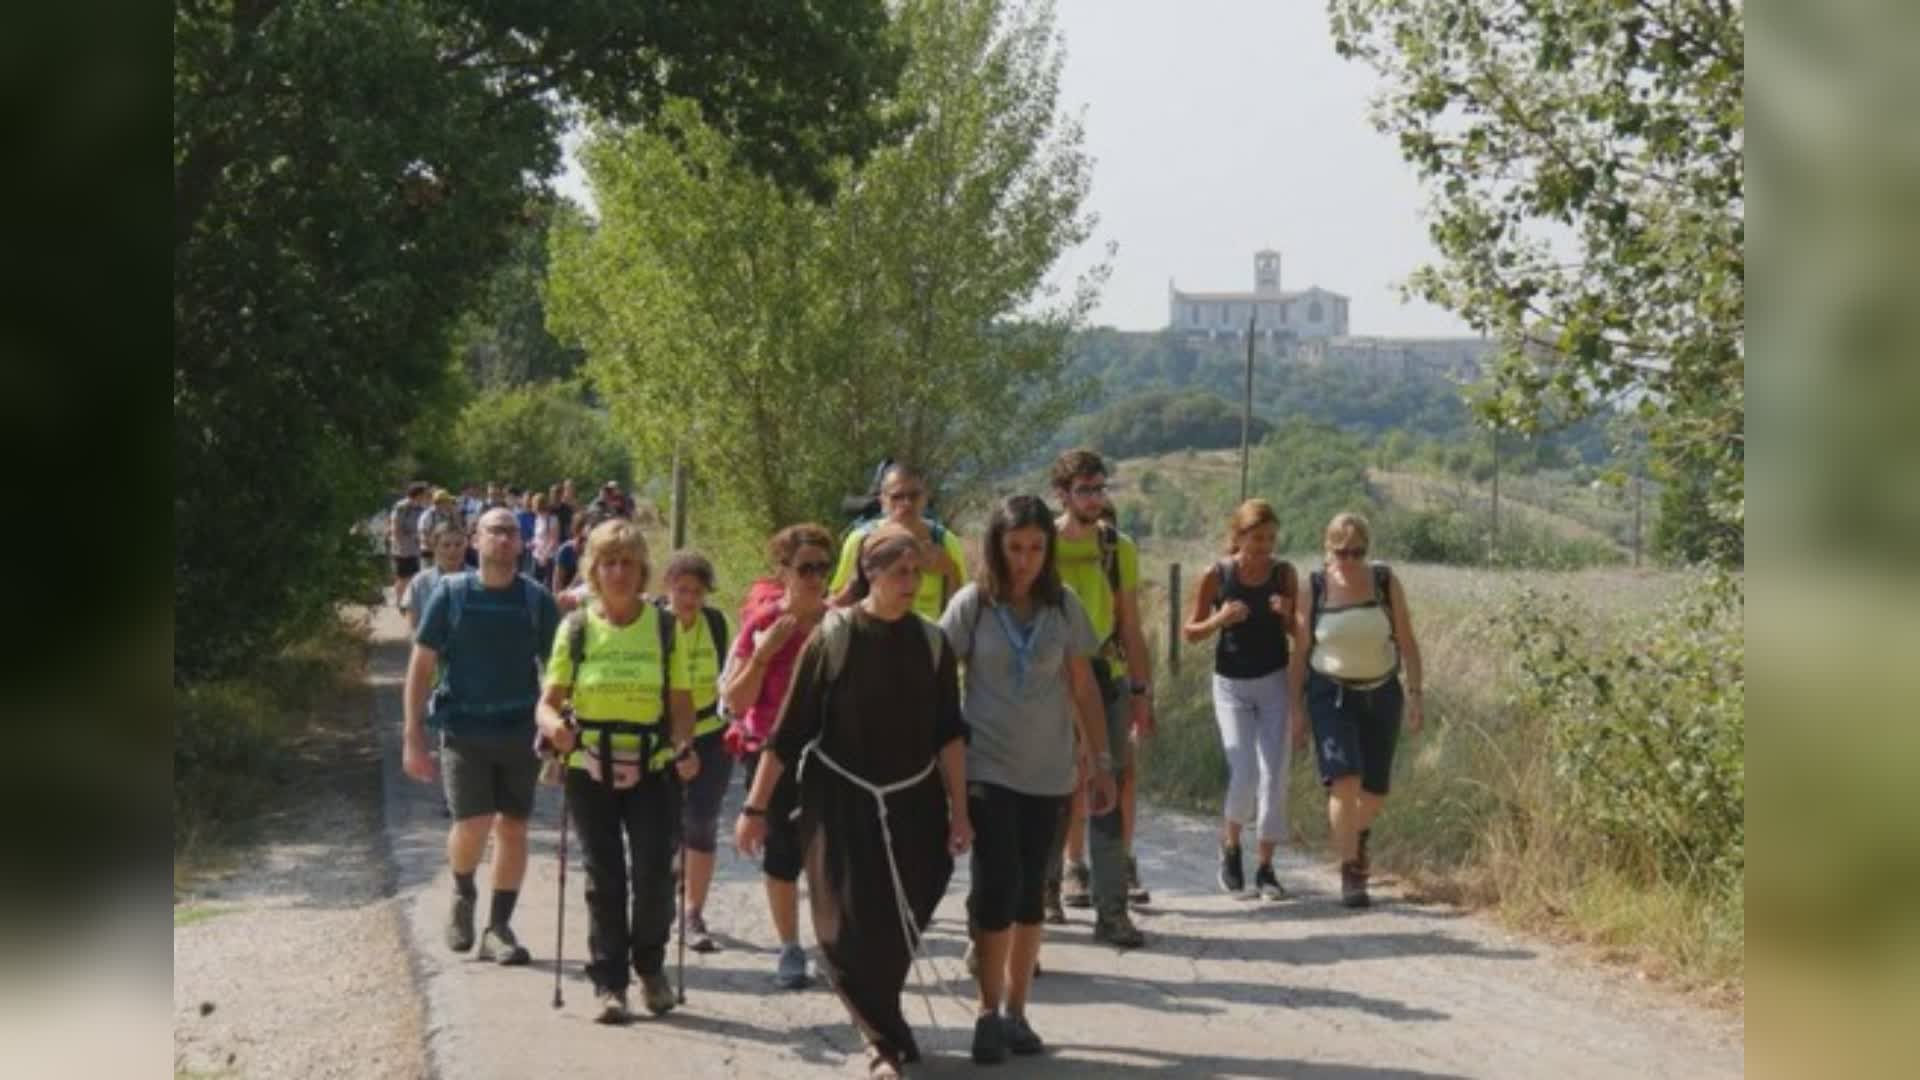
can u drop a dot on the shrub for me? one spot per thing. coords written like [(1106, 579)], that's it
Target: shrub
[(1647, 730)]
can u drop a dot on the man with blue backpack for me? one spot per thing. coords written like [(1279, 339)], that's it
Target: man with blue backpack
[(491, 627)]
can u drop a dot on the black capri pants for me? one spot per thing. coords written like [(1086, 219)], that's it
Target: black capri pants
[(1355, 731), (1012, 837), (705, 792), (781, 859)]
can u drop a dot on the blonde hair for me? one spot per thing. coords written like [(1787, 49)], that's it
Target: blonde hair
[(1249, 516), (1345, 528), (614, 536)]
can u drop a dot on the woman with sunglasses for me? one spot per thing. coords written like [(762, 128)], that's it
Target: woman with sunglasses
[(1361, 633), (758, 673)]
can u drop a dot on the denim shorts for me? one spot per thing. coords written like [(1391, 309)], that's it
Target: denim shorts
[(1355, 731)]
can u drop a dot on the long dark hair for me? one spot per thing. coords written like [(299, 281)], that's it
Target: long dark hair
[(996, 579)]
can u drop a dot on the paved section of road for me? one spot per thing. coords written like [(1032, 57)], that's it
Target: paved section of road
[(1225, 988)]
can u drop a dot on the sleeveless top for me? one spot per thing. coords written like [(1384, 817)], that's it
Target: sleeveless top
[(1354, 642), (1257, 646)]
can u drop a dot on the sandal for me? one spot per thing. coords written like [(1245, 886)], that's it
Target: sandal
[(881, 1065)]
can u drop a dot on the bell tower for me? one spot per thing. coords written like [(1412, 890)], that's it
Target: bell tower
[(1266, 271)]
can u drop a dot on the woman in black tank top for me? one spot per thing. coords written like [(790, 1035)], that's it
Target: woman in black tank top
[(1251, 599)]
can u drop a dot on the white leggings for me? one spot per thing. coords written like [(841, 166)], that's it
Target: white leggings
[(1253, 731)]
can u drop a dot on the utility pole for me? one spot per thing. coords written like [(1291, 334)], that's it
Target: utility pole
[(1493, 543), (679, 513), (1639, 487), (1246, 408)]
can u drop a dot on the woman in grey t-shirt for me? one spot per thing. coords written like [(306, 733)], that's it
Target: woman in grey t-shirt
[(1025, 641)]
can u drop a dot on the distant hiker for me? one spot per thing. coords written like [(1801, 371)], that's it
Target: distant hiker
[(701, 633), (618, 702), (1026, 643), (491, 629), (903, 501), (1362, 634), (872, 729), (448, 545), (546, 538), (403, 538), (1251, 599), (1102, 566), (759, 673)]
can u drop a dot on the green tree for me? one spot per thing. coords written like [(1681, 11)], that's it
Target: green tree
[(784, 346), (346, 173), (538, 435), (1586, 159), (502, 338)]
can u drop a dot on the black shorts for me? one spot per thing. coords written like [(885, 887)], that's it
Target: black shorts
[(782, 858), (406, 565), (1355, 731), (489, 774)]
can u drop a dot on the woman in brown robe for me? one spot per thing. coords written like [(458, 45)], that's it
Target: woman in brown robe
[(876, 696)]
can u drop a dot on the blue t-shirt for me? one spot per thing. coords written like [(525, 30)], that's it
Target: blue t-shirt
[(528, 521), (489, 671)]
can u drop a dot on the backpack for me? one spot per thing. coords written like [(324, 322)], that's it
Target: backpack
[(1107, 536), (1382, 577), (1224, 571), (458, 585), (575, 629), (836, 636)]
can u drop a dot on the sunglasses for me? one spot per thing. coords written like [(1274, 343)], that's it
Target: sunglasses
[(1086, 490), (1349, 553), (906, 496), (811, 569)]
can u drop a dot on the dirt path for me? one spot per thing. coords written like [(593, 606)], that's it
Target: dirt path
[(294, 961), (1226, 988)]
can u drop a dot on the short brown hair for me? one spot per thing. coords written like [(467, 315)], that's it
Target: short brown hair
[(614, 535), (689, 562), (786, 543), (1074, 463), (1346, 527)]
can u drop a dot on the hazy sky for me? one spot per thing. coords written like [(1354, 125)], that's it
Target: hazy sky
[(1218, 127)]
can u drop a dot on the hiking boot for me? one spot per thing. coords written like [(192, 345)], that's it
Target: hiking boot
[(1076, 890), (1353, 885), (989, 1040), (460, 924), (1136, 894), (1050, 904), (656, 993), (1362, 862), (1233, 877), (500, 946), (1267, 884), (1118, 930), (1020, 1037), (613, 1008), (791, 972), (697, 937)]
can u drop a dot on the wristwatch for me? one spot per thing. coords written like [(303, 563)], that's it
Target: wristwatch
[(1103, 761), (753, 811), (1139, 688)]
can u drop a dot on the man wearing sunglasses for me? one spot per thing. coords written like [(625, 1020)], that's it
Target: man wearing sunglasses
[(903, 501)]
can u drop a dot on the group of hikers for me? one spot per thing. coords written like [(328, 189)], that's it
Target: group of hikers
[(888, 712)]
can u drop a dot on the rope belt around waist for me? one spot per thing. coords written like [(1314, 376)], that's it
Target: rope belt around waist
[(908, 931)]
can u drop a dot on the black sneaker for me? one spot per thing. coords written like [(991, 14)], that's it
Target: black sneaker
[(1233, 878), (1118, 930), (698, 939), (1353, 885), (1020, 1037), (656, 993), (1076, 890), (610, 1007), (499, 946), (460, 924), (1050, 904), (1136, 894), (1267, 884), (989, 1040)]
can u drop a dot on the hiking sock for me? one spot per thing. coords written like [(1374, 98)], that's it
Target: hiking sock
[(503, 901), (463, 886)]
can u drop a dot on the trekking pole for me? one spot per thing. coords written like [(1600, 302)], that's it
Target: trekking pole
[(560, 921), (680, 991)]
